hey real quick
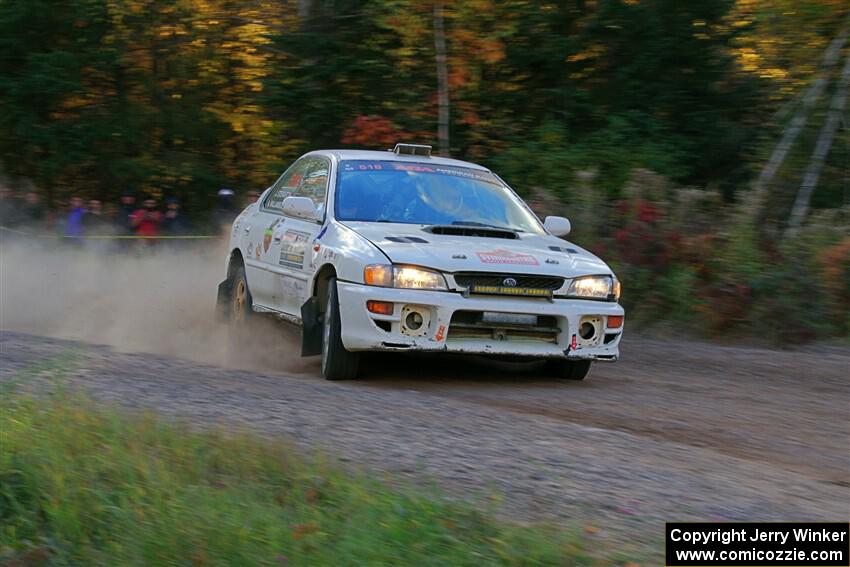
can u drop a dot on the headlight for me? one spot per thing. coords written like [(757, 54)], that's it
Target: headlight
[(406, 277), (417, 278), (595, 287)]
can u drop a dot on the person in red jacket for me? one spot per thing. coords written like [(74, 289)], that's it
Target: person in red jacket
[(147, 220)]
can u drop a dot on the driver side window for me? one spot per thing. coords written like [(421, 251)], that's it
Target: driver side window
[(308, 177)]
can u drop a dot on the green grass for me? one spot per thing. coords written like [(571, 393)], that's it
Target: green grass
[(84, 485)]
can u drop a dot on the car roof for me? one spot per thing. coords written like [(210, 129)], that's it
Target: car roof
[(391, 156)]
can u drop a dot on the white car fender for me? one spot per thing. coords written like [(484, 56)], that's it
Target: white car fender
[(347, 251), (235, 240)]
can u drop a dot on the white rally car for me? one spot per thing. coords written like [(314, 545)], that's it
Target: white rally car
[(404, 251)]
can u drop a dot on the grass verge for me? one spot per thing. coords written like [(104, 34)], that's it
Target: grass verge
[(84, 485)]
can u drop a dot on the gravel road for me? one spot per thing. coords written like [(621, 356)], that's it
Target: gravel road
[(678, 430)]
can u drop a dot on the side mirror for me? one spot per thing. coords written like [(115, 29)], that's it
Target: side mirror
[(558, 226), (301, 207)]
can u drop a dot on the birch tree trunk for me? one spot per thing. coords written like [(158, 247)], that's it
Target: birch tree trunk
[(827, 134), (799, 119), (442, 80)]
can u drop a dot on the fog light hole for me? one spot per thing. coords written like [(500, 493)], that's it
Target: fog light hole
[(413, 321), (587, 331)]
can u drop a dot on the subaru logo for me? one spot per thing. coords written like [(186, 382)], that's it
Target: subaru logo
[(509, 282)]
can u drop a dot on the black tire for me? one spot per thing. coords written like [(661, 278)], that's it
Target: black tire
[(337, 363), (568, 369), (241, 307)]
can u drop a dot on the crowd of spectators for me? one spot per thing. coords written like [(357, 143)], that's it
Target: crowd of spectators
[(78, 221)]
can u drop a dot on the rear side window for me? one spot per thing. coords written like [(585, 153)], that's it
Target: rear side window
[(308, 177)]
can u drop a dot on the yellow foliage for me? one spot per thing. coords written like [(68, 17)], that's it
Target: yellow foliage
[(781, 41)]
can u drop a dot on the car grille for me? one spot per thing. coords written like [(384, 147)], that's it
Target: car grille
[(466, 325), (467, 279)]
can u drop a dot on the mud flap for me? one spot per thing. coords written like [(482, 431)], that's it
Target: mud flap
[(311, 328), (222, 301)]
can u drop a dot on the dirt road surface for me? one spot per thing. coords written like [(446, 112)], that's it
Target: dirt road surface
[(678, 430)]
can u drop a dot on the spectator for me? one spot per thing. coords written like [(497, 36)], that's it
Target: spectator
[(125, 211), (94, 221), (74, 220), (9, 207), (147, 220), (174, 222), (225, 211), (33, 212), (110, 210)]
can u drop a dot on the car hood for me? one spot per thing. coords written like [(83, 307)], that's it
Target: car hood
[(529, 254)]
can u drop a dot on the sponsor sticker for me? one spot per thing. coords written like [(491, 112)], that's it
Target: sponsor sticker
[(501, 256), (275, 200), (441, 333), (505, 290), (293, 286), (424, 168), (268, 234), (292, 248)]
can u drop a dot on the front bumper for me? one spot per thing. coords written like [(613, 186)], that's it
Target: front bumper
[(451, 323)]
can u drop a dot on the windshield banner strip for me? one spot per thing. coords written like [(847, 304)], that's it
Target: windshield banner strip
[(364, 165)]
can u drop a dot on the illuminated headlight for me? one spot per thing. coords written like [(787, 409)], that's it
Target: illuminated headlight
[(595, 287), (406, 277), (417, 278)]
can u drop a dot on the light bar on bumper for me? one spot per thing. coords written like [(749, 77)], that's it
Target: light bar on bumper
[(404, 277)]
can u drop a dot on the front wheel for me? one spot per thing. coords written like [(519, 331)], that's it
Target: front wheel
[(241, 304), (568, 369), (337, 363)]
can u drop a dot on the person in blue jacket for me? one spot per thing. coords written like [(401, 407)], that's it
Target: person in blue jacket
[(74, 221)]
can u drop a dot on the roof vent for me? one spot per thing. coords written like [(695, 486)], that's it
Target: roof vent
[(412, 150)]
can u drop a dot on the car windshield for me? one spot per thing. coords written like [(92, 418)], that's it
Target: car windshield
[(423, 193)]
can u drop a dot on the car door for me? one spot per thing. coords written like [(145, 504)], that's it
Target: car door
[(261, 262), (292, 238)]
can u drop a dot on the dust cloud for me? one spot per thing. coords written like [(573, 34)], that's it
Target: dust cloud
[(158, 300)]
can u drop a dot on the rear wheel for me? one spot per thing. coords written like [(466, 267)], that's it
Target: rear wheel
[(568, 369), (337, 363)]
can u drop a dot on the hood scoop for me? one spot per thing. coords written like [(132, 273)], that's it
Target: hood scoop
[(467, 230), (406, 239), (565, 250)]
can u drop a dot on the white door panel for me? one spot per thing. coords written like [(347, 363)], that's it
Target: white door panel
[(293, 255), (279, 245), (260, 279)]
